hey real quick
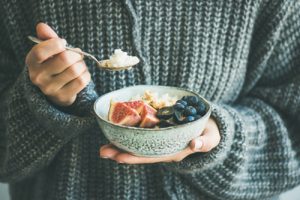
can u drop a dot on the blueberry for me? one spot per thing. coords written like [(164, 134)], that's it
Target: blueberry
[(179, 106), (201, 108), (200, 103), (192, 100), (184, 98), (184, 103), (189, 119), (190, 110), (165, 112)]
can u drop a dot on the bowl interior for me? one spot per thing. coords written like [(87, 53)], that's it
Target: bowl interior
[(102, 105)]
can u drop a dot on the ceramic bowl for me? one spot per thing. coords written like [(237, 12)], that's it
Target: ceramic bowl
[(148, 142)]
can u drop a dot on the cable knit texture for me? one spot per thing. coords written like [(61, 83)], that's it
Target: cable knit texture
[(243, 56)]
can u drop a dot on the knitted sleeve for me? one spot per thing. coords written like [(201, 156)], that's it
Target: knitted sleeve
[(259, 153), (32, 130)]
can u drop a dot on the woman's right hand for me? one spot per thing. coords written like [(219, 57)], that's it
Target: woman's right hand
[(60, 74)]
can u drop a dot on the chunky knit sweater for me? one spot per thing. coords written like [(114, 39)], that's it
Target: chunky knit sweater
[(243, 56)]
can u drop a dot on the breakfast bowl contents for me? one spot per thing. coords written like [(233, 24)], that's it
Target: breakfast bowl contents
[(151, 120), (132, 113), (120, 59)]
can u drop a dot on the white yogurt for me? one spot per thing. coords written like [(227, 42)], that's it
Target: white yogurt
[(121, 59)]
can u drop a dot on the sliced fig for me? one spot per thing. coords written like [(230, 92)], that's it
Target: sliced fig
[(149, 119), (121, 114), (147, 109), (137, 105)]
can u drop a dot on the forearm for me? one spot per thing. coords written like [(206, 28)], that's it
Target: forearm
[(33, 129), (260, 155)]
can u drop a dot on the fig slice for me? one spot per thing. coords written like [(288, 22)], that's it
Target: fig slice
[(137, 105), (121, 114), (149, 119)]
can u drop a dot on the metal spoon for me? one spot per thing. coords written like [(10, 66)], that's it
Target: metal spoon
[(103, 64)]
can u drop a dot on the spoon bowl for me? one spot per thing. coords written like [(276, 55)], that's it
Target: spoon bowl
[(105, 64)]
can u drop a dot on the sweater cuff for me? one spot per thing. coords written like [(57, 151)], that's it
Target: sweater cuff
[(64, 123), (83, 105), (201, 161)]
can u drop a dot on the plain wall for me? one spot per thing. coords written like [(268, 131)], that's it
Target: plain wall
[(3, 192)]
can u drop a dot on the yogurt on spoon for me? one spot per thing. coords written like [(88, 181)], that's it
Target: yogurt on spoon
[(120, 59)]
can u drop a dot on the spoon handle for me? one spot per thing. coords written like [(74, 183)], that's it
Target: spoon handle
[(37, 41), (68, 47)]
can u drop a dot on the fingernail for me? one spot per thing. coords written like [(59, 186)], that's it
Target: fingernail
[(105, 157), (198, 144)]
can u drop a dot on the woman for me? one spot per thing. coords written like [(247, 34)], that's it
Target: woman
[(241, 55)]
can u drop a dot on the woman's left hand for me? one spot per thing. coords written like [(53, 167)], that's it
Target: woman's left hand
[(208, 140)]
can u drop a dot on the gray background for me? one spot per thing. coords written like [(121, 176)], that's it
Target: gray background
[(291, 195)]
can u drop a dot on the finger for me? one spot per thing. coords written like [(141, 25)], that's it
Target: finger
[(71, 73), (76, 85), (112, 152), (131, 159), (59, 81), (60, 62), (196, 144), (44, 50), (37, 77), (205, 143), (211, 124), (45, 32), (209, 139), (68, 93), (108, 151)]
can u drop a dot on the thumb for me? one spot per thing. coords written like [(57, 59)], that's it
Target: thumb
[(45, 32), (209, 139), (196, 145), (205, 143)]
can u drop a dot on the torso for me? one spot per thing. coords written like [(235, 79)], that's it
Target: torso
[(190, 44)]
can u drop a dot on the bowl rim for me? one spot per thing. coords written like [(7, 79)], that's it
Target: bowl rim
[(207, 114)]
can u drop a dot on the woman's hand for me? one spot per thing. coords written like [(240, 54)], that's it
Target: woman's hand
[(208, 140), (60, 74)]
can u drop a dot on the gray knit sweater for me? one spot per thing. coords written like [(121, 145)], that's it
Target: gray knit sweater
[(244, 56)]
